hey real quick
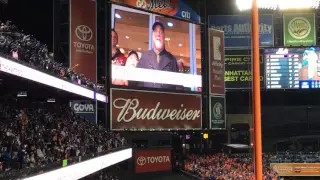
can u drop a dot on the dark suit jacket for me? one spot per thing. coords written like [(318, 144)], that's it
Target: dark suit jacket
[(167, 63)]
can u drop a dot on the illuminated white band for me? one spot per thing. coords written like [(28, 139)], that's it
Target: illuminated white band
[(281, 4), (155, 76), (17, 69), (83, 169)]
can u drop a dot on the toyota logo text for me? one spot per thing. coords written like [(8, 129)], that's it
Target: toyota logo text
[(84, 35), (152, 159)]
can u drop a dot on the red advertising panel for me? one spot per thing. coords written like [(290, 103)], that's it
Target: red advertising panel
[(83, 38), (216, 59), (146, 110), (153, 160)]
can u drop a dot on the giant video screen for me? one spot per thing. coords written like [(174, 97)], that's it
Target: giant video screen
[(292, 68), (154, 52)]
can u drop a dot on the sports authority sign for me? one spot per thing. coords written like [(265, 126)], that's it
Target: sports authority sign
[(299, 29), (217, 112), (83, 38), (153, 160), (216, 60), (145, 110)]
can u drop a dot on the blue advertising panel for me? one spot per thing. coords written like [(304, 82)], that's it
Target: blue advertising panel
[(237, 30), (186, 12), (85, 109)]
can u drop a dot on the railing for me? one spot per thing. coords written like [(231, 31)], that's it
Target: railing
[(27, 172)]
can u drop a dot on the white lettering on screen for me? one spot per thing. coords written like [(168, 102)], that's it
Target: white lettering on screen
[(244, 28), (186, 14), (130, 110)]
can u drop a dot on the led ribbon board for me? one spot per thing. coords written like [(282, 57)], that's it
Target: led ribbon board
[(155, 76), (20, 70), (80, 170), (275, 4)]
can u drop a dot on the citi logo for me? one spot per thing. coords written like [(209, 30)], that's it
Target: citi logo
[(141, 160)]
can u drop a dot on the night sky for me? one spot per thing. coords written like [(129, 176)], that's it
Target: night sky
[(32, 16), (35, 16)]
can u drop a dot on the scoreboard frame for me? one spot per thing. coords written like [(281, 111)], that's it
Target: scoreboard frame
[(266, 71)]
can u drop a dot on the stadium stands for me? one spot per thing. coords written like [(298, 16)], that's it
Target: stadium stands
[(37, 137), (222, 166), (296, 157), (25, 49)]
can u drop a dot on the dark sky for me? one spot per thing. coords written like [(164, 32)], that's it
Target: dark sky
[(32, 16), (35, 16)]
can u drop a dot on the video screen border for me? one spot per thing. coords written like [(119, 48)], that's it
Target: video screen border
[(265, 68), (118, 6)]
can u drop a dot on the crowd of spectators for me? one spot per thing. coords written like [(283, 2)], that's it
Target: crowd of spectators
[(39, 134), (295, 157), (24, 48), (227, 167)]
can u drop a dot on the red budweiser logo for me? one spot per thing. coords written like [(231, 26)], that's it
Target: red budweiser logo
[(152, 110)]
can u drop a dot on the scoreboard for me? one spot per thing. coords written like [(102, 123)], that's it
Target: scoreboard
[(292, 68), (282, 71)]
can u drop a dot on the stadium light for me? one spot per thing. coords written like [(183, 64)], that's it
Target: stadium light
[(278, 4)]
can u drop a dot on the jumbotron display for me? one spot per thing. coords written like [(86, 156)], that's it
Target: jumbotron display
[(290, 68)]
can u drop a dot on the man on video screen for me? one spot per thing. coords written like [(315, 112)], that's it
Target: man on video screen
[(158, 58)]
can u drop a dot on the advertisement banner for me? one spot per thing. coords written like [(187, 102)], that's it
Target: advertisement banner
[(238, 74), (175, 8), (153, 160), (216, 60), (146, 110), (217, 112), (85, 109), (296, 169), (299, 29), (237, 30), (83, 38)]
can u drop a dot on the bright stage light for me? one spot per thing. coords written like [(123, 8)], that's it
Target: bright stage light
[(279, 4)]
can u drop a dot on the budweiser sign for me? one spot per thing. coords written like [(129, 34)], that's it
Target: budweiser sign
[(153, 110)]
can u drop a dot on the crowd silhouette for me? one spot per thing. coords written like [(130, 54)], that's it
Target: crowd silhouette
[(222, 166), (40, 134)]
